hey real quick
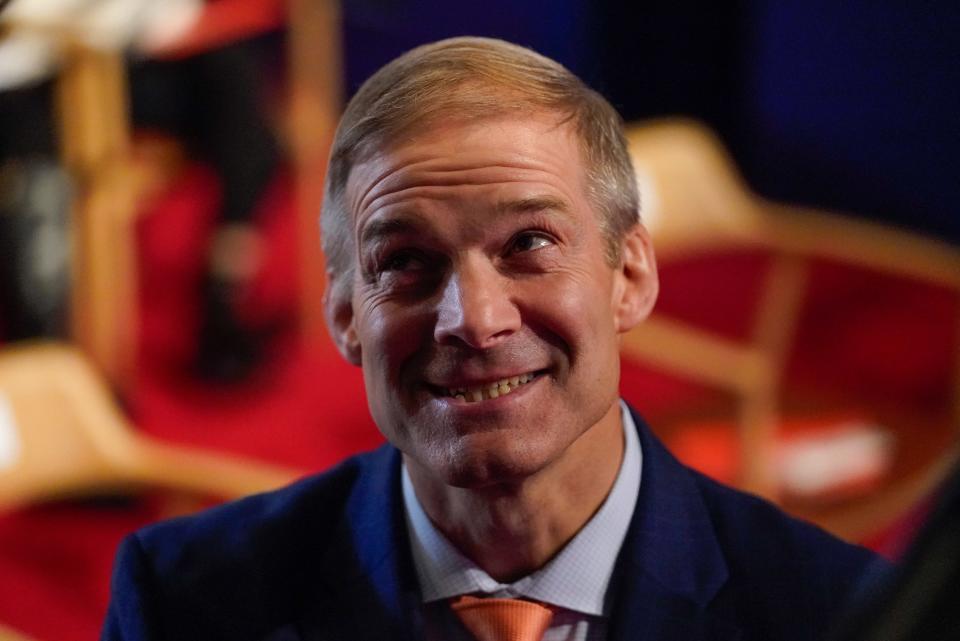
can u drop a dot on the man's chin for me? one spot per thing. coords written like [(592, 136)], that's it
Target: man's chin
[(486, 478), (486, 468)]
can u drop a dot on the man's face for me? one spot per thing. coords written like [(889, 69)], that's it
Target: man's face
[(483, 312)]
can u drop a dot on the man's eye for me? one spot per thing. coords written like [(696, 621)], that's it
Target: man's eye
[(531, 241), (403, 261)]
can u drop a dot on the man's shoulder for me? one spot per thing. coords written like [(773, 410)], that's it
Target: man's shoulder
[(750, 530), (765, 546), (245, 568), (761, 568), (754, 526), (265, 529)]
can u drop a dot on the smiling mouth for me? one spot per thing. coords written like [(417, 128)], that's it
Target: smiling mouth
[(488, 391)]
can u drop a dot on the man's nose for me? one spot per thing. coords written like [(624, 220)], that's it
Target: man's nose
[(476, 307)]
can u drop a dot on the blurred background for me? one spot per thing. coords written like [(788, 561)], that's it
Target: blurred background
[(161, 167)]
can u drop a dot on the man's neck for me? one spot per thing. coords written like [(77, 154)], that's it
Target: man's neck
[(511, 530)]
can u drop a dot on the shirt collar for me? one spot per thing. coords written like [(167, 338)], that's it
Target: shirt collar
[(576, 579)]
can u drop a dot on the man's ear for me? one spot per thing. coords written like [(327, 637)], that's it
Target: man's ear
[(338, 312), (637, 283)]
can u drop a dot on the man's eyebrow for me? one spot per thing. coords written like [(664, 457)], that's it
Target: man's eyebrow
[(381, 228), (535, 204)]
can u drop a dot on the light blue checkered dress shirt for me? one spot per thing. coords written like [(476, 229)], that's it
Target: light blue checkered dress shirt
[(576, 580)]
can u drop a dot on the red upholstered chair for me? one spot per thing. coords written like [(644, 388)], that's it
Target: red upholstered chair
[(63, 437), (698, 208)]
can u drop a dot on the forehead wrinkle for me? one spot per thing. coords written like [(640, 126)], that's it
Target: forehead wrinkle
[(543, 202), (412, 173), (430, 189), (357, 203)]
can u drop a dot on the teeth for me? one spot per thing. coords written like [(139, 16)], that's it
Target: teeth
[(490, 390)]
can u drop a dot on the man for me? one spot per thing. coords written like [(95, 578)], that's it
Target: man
[(485, 254)]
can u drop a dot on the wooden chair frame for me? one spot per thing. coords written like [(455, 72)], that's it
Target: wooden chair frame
[(699, 203), (70, 439)]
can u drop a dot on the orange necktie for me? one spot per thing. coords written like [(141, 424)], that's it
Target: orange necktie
[(502, 619)]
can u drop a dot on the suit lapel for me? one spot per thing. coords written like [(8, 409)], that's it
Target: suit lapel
[(369, 590), (671, 565)]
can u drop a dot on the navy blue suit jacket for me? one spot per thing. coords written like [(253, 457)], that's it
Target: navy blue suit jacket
[(327, 559)]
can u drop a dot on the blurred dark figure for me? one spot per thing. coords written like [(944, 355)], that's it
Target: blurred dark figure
[(35, 200), (922, 603), (211, 103)]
